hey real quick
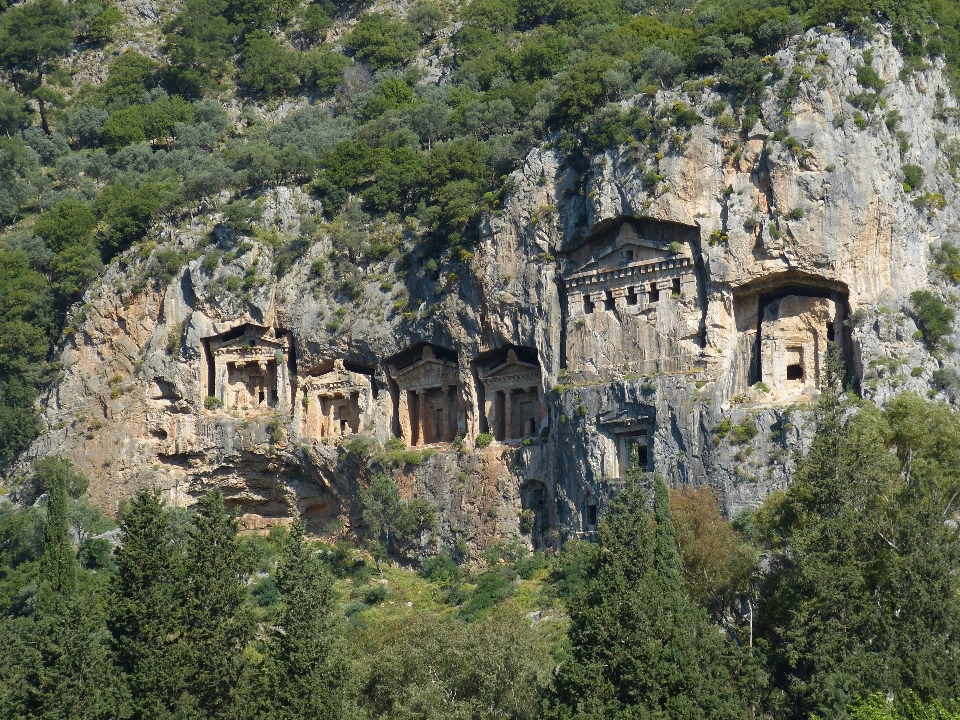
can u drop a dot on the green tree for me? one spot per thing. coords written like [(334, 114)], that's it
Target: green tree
[(33, 38), (217, 624), (129, 76), (58, 566), (859, 599), (390, 524), (383, 41), (933, 316), (57, 664), (70, 221), (127, 213), (268, 67), (639, 647), (430, 666), (307, 672), (145, 611), (198, 41), (14, 112), (19, 420), (579, 91), (321, 70)]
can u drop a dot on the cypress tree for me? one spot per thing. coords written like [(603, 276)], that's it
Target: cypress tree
[(57, 664), (307, 668), (639, 647), (217, 621), (669, 565), (145, 611), (58, 566)]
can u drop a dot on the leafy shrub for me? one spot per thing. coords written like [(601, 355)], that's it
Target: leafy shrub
[(375, 594), (275, 430), (572, 567), (383, 41), (529, 564), (721, 429), (484, 439), (869, 78), (912, 177), (212, 403), (947, 261), (265, 593), (492, 586), (743, 432), (441, 568), (947, 380), (268, 67), (933, 317)]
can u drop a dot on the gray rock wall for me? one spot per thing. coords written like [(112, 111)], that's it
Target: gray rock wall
[(808, 203)]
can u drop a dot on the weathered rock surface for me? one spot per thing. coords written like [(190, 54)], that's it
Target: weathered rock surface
[(635, 288)]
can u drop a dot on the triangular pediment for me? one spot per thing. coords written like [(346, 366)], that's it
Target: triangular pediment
[(422, 366), (512, 369), (252, 341)]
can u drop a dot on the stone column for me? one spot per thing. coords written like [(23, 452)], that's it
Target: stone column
[(220, 381), (508, 414), (330, 430), (403, 416), (574, 304), (620, 298), (445, 415), (454, 416), (421, 416)]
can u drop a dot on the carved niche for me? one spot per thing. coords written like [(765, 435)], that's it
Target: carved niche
[(794, 333), (632, 299), (250, 369), (429, 402), (513, 407), (631, 431), (336, 402)]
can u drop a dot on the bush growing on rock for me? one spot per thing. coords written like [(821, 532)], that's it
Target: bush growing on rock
[(933, 316)]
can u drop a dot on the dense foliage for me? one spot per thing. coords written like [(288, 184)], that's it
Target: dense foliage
[(854, 613)]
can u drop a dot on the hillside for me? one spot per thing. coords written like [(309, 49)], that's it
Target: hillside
[(457, 284)]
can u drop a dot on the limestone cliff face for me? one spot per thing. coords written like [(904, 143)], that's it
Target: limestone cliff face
[(670, 300)]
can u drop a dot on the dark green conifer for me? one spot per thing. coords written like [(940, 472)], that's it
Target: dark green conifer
[(640, 648), (145, 612), (307, 668), (58, 566), (217, 620)]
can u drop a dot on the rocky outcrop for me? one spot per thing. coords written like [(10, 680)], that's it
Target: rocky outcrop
[(670, 300)]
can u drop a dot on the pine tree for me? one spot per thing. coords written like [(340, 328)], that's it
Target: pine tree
[(307, 667), (145, 612), (640, 648), (217, 620)]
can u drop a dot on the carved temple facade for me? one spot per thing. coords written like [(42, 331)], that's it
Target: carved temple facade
[(429, 406), (248, 370), (336, 402), (513, 408), (794, 333), (632, 300)]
